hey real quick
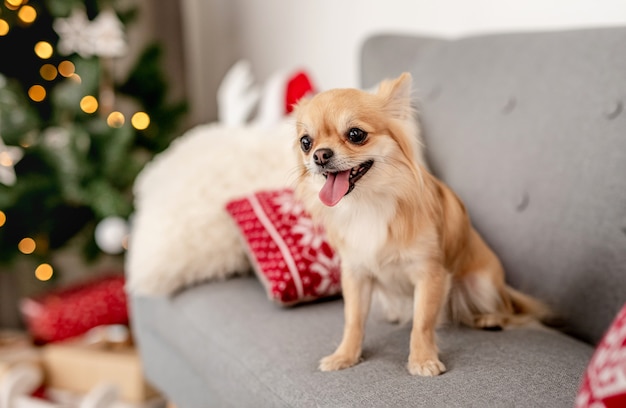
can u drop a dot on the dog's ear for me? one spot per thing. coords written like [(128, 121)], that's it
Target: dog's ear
[(396, 94)]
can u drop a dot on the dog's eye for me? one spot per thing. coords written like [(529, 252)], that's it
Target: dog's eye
[(356, 135), (306, 143)]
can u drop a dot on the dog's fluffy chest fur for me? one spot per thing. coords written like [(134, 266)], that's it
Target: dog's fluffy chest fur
[(360, 229)]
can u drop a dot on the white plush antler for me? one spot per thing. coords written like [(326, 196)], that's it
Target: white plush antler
[(236, 95), (272, 105)]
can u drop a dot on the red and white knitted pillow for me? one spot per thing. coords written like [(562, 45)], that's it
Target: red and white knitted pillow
[(604, 382), (289, 254)]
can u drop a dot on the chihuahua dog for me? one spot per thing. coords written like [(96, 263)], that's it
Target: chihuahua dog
[(399, 231)]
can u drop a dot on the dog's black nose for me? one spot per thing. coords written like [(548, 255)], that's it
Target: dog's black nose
[(322, 156)]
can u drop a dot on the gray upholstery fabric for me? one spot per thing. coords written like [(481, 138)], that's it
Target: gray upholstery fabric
[(530, 130), (241, 350)]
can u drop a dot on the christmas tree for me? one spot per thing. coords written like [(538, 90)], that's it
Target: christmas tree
[(73, 136)]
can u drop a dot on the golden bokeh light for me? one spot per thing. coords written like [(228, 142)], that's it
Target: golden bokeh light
[(44, 272), (4, 27), (140, 120), (3, 218), (13, 4), (116, 119), (37, 93), (27, 246), (48, 72), (27, 14), (89, 104), (76, 78), (67, 68), (43, 49)]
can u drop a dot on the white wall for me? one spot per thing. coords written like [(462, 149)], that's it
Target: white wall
[(324, 36)]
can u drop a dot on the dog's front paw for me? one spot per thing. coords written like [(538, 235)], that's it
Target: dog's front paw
[(426, 368), (336, 362)]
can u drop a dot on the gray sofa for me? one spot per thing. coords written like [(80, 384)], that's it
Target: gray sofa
[(530, 130)]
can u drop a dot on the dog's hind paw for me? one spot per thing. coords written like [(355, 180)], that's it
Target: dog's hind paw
[(427, 368), (336, 362), (491, 322)]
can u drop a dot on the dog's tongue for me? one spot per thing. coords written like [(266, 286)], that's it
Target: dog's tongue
[(336, 186)]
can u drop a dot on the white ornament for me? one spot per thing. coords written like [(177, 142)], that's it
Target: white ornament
[(9, 156), (110, 234), (74, 34), (103, 37), (107, 33)]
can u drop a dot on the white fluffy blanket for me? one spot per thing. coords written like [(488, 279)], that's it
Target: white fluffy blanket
[(180, 232)]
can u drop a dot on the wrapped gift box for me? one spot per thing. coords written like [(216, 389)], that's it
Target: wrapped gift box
[(78, 366), (73, 310)]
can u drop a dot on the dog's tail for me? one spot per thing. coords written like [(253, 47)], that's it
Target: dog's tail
[(528, 310), (482, 304)]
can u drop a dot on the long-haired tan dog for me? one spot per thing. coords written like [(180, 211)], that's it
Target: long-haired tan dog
[(399, 231)]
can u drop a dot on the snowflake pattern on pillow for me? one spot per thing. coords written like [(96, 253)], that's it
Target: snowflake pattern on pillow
[(604, 382), (289, 253)]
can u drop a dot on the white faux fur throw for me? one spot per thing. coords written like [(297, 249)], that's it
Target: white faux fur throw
[(180, 232)]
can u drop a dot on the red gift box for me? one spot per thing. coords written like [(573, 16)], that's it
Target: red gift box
[(73, 310)]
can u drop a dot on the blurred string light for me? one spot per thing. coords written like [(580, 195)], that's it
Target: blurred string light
[(140, 120), (48, 72), (89, 104), (116, 119), (27, 246), (44, 272), (13, 4), (3, 218), (43, 49), (37, 93), (67, 68), (4, 27), (27, 14)]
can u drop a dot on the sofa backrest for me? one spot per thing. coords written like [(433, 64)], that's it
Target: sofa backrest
[(530, 130)]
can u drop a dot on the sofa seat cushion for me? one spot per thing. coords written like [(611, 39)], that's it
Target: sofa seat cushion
[(236, 346)]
